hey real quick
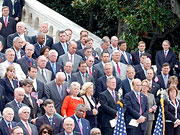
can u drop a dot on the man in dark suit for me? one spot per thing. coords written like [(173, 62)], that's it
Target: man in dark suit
[(16, 104), (162, 79), (61, 47), (6, 124), (82, 76), (8, 24), (57, 90), (165, 56), (127, 83), (69, 126), (71, 56), (98, 69), (140, 65), (49, 118), (48, 39), (27, 61), (108, 100), (81, 125), (84, 54), (81, 42), (39, 44), (141, 74), (52, 65), (68, 35), (154, 86), (20, 28), (126, 57), (137, 108), (38, 91), (30, 101), (90, 63), (15, 9), (137, 54), (28, 129), (17, 47), (101, 82)]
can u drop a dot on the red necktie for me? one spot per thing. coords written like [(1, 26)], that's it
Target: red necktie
[(5, 21), (139, 100), (90, 71), (28, 129), (9, 124), (118, 69), (30, 64)]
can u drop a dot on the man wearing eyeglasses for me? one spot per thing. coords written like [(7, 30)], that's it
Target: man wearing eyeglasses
[(95, 131)]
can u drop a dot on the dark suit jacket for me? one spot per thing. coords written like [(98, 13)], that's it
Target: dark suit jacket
[(81, 53), (76, 77), (140, 74), (35, 110), (17, 8), (138, 67), (74, 133), (126, 86), (57, 123), (52, 93), (59, 68), (21, 52), (12, 36), (33, 128), (11, 27), (133, 108), (98, 71), (2, 98), (58, 47), (85, 125), (154, 89), (136, 59), (161, 81), (129, 59), (2, 57), (101, 85), (109, 107), (3, 40), (4, 129), (23, 62), (40, 90), (160, 60), (49, 40), (79, 47), (9, 90), (37, 50), (14, 106)]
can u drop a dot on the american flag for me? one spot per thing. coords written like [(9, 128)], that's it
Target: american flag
[(160, 123), (120, 128)]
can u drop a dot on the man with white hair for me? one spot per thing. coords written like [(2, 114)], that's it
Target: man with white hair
[(44, 29), (69, 126), (114, 43), (20, 28), (27, 61), (28, 129), (43, 74), (10, 55), (7, 123), (95, 131), (57, 90), (16, 104), (52, 65), (17, 130)]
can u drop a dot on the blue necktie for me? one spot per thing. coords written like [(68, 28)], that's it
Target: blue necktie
[(54, 68)]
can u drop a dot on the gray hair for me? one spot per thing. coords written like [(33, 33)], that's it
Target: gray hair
[(9, 50), (166, 41), (53, 51), (16, 38), (93, 130), (23, 108), (110, 78), (39, 34), (19, 89)]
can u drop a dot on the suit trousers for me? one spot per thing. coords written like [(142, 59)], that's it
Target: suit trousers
[(149, 127), (135, 131)]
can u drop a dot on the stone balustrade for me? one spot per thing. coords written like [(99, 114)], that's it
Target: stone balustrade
[(34, 13)]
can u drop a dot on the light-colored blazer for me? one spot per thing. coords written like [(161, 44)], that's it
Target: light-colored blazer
[(152, 102), (48, 76), (64, 58), (123, 70), (18, 71)]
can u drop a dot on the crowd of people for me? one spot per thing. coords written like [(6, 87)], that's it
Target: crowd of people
[(72, 88)]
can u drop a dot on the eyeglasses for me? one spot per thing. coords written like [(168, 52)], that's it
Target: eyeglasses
[(96, 133), (46, 132)]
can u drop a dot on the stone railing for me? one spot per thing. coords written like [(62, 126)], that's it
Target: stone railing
[(34, 13)]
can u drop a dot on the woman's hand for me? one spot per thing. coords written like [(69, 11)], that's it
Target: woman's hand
[(95, 112)]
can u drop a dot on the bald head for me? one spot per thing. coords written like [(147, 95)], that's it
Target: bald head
[(60, 77)]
